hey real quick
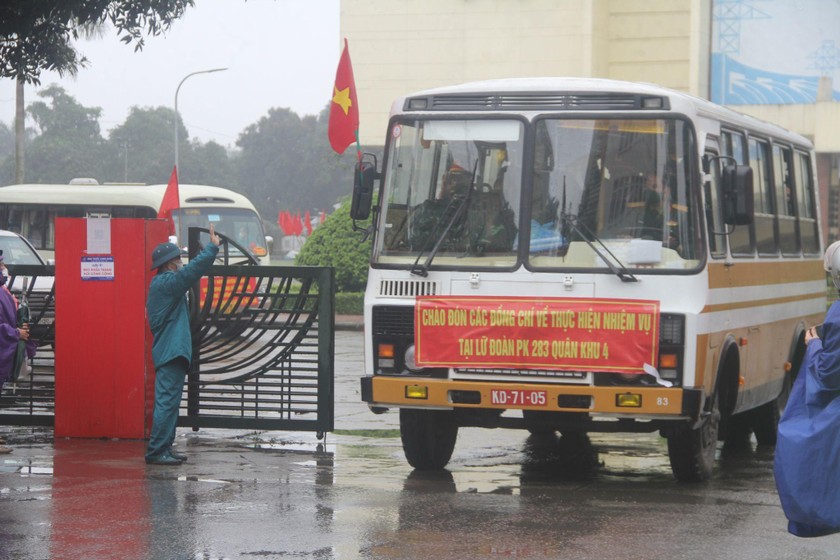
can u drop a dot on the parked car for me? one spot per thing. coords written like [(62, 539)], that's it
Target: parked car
[(17, 250)]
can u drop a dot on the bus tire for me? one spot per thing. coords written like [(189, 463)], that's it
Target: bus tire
[(765, 422), (692, 450), (765, 418), (428, 437), (538, 423)]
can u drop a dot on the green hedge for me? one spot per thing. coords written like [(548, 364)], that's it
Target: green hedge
[(334, 243), (349, 303)]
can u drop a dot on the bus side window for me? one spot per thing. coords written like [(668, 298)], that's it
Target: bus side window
[(714, 210), (34, 226), (15, 218), (765, 211), (806, 204), (785, 200), (742, 239)]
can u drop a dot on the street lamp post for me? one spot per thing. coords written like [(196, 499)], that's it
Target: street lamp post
[(176, 105)]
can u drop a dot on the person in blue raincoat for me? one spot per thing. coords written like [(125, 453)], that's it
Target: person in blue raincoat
[(807, 458), (166, 308)]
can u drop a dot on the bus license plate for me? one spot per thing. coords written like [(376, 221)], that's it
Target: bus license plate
[(518, 397)]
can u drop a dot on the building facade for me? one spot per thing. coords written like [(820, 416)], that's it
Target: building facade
[(703, 47)]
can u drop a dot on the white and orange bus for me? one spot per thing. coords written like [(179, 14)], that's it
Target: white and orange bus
[(31, 210), (585, 255)]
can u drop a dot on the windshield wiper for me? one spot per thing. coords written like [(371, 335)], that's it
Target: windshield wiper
[(621, 271), (423, 270)]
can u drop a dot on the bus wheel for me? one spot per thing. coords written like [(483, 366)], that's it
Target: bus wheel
[(428, 437), (539, 423), (692, 451), (765, 422), (765, 418)]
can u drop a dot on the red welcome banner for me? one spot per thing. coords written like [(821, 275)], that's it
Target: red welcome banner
[(567, 334)]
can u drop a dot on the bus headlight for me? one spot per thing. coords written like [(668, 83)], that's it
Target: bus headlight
[(411, 359)]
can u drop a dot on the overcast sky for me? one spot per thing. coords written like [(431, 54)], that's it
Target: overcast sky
[(279, 53)]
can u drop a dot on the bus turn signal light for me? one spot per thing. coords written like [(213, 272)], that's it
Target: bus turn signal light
[(386, 351), (416, 392), (630, 400), (667, 361)]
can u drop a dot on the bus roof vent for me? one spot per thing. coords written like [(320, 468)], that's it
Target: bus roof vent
[(605, 101), (455, 102), (535, 101), (529, 101), (83, 181), (210, 200)]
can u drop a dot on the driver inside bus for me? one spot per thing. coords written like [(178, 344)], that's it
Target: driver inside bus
[(486, 224), (431, 215)]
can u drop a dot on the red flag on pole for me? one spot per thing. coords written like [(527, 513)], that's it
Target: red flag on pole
[(307, 223), (344, 110), (298, 224), (171, 201)]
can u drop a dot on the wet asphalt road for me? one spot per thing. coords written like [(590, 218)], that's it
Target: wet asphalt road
[(286, 495)]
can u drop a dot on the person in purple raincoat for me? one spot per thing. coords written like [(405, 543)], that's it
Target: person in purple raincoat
[(10, 333)]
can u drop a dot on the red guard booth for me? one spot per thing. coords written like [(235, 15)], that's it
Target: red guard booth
[(104, 377)]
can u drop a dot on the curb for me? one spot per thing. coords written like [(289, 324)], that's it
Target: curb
[(349, 323)]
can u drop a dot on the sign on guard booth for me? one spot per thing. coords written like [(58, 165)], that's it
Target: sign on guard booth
[(104, 377)]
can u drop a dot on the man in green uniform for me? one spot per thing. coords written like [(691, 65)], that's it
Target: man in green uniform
[(166, 308)]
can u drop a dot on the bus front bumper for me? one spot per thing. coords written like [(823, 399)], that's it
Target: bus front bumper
[(637, 401)]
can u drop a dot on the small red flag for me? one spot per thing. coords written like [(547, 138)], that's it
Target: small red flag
[(171, 201), (307, 223), (344, 110)]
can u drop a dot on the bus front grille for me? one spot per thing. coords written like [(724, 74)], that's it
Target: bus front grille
[(407, 288), (570, 376), (393, 320)]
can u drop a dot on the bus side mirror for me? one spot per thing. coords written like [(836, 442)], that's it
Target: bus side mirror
[(738, 195), (364, 174)]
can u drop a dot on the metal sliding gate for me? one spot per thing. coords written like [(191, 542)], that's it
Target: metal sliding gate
[(263, 350), (30, 399)]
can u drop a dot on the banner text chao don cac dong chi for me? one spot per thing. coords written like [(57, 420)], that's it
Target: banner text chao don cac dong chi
[(537, 333)]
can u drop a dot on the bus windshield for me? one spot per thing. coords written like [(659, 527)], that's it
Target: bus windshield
[(625, 183), (239, 224), (454, 193)]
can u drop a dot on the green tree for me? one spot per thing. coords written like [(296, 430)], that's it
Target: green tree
[(7, 147), (285, 162), (146, 138), (208, 164), (69, 143), (335, 243), (38, 35)]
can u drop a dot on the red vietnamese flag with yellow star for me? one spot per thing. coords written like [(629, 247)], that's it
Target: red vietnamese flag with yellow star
[(344, 110), (171, 201)]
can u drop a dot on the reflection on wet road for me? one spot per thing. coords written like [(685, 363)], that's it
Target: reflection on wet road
[(286, 495)]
